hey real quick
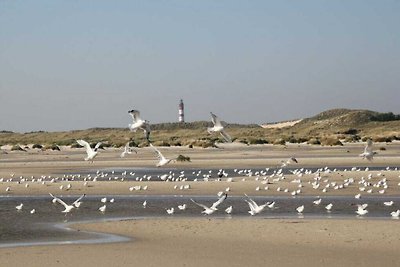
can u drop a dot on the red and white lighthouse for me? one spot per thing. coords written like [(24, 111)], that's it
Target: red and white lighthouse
[(181, 117)]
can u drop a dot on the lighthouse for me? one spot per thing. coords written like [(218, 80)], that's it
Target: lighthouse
[(181, 117)]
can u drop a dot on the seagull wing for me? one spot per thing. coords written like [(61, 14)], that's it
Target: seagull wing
[(253, 203), (85, 145), (135, 115), (215, 120), (78, 200), (219, 201), (251, 206), (159, 155), (97, 146), (368, 147), (226, 136), (200, 205), (59, 201)]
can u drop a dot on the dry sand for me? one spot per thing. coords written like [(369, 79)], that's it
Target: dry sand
[(225, 242), (212, 242)]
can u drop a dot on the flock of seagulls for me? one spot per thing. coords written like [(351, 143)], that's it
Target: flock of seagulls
[(139, 123), (269, 179), (317, 183)]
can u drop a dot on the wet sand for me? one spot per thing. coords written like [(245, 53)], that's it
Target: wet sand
[(210, 241), (225, 242)]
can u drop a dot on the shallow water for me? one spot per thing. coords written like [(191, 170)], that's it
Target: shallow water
[(136, 173), (48, 223)]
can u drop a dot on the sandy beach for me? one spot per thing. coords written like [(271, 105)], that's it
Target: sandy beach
[(225, 242), (205, 241)]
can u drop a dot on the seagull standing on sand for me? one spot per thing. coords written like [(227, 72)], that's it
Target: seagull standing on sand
[(139, 123), (127, 150), (218, 128), (213, 208), (91, 153), (368, 153), (162, 160)]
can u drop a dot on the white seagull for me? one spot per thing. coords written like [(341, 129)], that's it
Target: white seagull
[(300, 209), (218, 128), (127, 150), (170, 211), (288, 161), (19, 207), (67, 207), (162, 160), (91, 152), (213, 208), (361, 209), (368, 153), (388, 203), (395, 214), (182, 207), (139, 123), (102, 209), (254, 207), (228, 210)]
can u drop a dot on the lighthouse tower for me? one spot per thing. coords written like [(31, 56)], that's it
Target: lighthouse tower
[(181, 117)]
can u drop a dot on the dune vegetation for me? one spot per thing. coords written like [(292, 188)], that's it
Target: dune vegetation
[(332, 127)]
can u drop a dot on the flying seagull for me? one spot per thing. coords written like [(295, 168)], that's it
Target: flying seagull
[(218, 128), (288, 161), (127, 150), (213, 208), (91, 152), (67, 207), (368, 153), (254, 207), (139, 123), (162, 160)]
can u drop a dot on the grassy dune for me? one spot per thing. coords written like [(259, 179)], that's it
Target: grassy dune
[(327, 128)]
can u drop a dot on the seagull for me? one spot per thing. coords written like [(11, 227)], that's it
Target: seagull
[(361, 210), (329, 207), (127, 150), (300, 209), (33, 211), (388, 204), (91, 153), (170, 211), (288, 161), (19, 207), (162, 160), (68, 208), (218, 128), (317, 202), (145, 204), (103, 200), (254, 207), (182, 207), (395, 214), (213, 208), (368, 153), (228, 210), (102, 209), (139, 123)]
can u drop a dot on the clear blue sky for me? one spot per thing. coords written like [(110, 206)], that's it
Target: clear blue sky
[(79, 64)]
